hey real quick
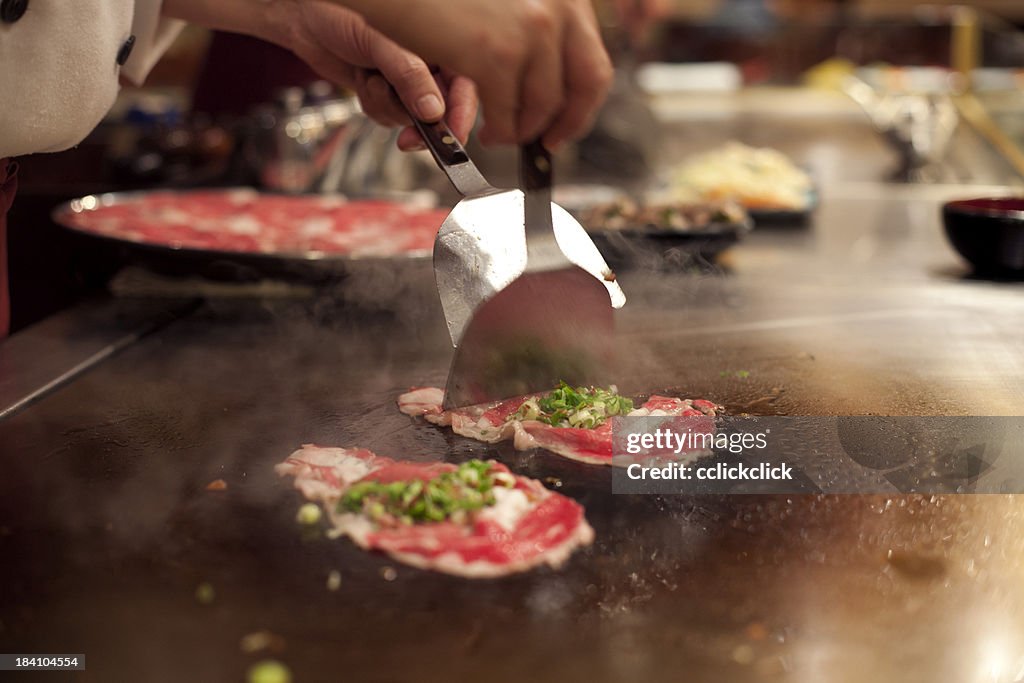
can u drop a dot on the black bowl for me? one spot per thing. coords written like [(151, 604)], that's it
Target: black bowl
[(988, 232)]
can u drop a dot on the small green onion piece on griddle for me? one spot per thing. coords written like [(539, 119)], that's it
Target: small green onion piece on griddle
[(205, 593), (309, 514), (269, 671)]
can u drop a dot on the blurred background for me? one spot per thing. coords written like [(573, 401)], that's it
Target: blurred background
[(852, 90)]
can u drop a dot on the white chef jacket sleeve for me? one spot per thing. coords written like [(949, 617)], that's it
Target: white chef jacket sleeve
[(153, 35)]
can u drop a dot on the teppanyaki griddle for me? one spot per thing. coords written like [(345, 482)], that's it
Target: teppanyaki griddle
[(107, 529)]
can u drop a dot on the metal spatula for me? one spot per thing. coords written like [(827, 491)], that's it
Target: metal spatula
[(480, 248), (528, 303), (553, 322)]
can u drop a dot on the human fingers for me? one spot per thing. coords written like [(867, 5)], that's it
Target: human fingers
[(463, 104), (410, 77), (543, 88), (379, 101), (588, 77), (498, 82), (542, 98), (460, 115)]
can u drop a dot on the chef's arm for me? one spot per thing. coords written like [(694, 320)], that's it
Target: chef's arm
[(342, 47), (251, 17), (539, 65)]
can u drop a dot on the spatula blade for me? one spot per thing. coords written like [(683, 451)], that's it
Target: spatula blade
[(481, 248), (543, 328)]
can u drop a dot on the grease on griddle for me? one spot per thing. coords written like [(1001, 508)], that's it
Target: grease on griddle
[(917, 566), (259, 641)]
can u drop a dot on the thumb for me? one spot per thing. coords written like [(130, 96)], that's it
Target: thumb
[(411, 78)]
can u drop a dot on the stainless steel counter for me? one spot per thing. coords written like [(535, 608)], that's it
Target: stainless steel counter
[(106, 528)]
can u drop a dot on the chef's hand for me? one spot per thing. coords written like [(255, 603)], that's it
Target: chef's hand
[(342, 47), (539, 65)]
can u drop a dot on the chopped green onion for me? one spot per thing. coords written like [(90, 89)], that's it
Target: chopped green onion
[(451, 495), (582, 407)]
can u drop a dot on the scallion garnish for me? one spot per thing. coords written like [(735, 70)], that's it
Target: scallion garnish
[(450, 495), (581, 407)]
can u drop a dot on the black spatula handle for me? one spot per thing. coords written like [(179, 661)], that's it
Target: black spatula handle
[(534, 167), (441, 142), (438, 137), (448, 152)]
